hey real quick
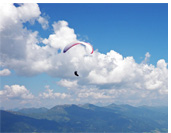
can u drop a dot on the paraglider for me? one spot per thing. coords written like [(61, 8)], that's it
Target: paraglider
[(76, 74), (89, 46)]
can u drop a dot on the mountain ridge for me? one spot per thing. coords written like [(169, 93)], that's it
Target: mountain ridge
[(92, 118)]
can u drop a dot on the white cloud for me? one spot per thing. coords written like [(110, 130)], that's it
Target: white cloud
[(10, 15), (116, 74), (62, 36), (5, 72), (20, 49), (162, 64), (121, 96), (15, 40), (44, 22), (68, 83), (147, 58), (47, 86), (15, 92), (19, 45), (125, 71), (93, 94), (53, 95)]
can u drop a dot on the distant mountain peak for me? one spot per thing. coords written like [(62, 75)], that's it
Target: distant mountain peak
[(33, 110), (63, 106), (89, 106)]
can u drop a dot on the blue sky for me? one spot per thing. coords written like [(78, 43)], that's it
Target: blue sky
[(130, 29), (134, 35)]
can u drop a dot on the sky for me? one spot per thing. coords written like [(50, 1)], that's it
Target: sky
[(129, 64)]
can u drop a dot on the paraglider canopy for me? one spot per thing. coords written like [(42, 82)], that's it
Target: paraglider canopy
[(88, 45)]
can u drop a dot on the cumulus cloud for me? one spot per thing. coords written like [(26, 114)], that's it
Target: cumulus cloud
[(44, 22), (20, 49), (5, 72), (68, 83), (104, 76), (15, 92), (112, 70), (147, 58), (49, 94), (62, 35), (94, 93), (16, 41), (10, 15)]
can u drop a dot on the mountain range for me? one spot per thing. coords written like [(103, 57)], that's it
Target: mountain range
[(86, 118)]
